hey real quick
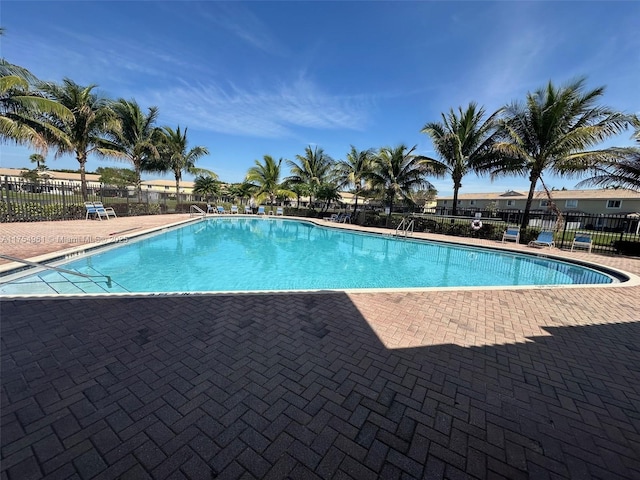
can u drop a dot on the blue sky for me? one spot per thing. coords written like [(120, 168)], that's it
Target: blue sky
[(262, 77)]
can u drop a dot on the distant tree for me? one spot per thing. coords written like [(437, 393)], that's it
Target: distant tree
[(206, 186), (352, 172), (136, 136), (119, 177), (177, 157), (462, 140), (398, 173), (312, 168), (265, 177), (553, 131), (299, 190), (327, 193), (39, 160)]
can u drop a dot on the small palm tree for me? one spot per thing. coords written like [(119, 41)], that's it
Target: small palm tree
[(398, 172), (85, 132), (265, 177), (327, 193), (177, 157), (38, 159), (353, 172), (313, 168), (462, 140), (553, 131), (206, 186), (136, 135)]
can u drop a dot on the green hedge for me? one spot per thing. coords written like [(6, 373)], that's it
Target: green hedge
[(33, 212)]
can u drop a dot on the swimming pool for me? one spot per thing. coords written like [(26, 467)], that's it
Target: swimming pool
[(231, 254)]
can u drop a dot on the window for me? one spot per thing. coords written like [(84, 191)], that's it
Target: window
[(444, 202), (459, 202), (614, 203), (166, 188), (544, 203), (510, 203), (571, 203), (472, 202)]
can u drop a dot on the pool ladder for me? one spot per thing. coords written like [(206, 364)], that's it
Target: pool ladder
[(57, 269), (405, 228), (196, 210)]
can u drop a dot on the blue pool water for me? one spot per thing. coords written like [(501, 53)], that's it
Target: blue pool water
[(259, 254)]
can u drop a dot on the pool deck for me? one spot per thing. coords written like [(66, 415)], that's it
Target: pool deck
[(509, 383)]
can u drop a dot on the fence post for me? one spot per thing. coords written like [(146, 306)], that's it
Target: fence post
[(64, 200), (6, 188)]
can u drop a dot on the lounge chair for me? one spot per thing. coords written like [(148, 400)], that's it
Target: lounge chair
[(582, 240), (234, 209), (108, 210), (279, 211), (511, 233), (261, 210), (221, 209), (210, 208), (346, 218), (545, 239), (248, 209), (94, 212)]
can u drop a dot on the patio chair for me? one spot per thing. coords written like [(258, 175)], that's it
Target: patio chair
[(248, 209), (234, 209), (582, 240), (261, 210), (93, 212), (221, 209), (108, 210), (279, 211), (545, 239), (210, 208), (511, 233)]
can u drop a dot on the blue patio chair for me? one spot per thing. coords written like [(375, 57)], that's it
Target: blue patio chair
[(279, 211), (234, 209), (94, 212), (108, 210), (221, 209), (210, 208), (261, 210), (582, 240), (511, 233), (545, 239), (248, 209)]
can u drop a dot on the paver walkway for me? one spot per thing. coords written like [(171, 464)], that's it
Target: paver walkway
[(536, 383)]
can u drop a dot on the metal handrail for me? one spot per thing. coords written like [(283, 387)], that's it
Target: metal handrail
[(197, 209), (407, 226), (57, 269)]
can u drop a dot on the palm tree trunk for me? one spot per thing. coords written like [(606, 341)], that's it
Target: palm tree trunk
[(454, 212), (82, 160), (527, 208)]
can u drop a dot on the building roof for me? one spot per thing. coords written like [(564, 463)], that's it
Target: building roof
[(591, 194), (53, 175)]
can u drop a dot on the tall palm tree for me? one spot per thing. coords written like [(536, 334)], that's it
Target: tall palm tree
[(265, 177), (462, 140), (136, 135), (23, 111), (175, 155), (353, 172), (553, 131), (624, 173), (86, 132), (313, 168), (38, 159), (398, 173)]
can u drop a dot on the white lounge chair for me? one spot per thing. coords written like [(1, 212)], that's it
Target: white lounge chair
[(108, 210), (94, 212), (234, 209), (545, 239), (261, 210), (248, 210), (511, 233), (221, 209), (279, 211), (582, 240)]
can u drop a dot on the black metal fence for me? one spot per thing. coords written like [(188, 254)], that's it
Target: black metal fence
[(23, 200)]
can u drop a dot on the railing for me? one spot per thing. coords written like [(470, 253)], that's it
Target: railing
[(196, 210), (57, 269), (406, 227)]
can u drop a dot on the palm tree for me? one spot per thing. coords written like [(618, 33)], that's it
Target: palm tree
[(85, 133), (265, 177), (299, 190), (175, 156), (22, 111), (353, 172), (462, 140), (624, 173), (38, 159), (136, 136), (328, 192), (553, 132), (313, 168), (206, 186), (398, 173)]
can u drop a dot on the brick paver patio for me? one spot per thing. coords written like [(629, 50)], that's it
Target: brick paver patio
[(534, 383)]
